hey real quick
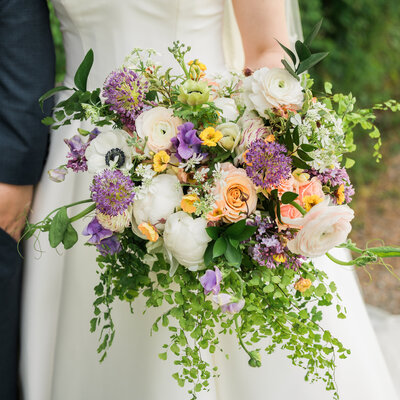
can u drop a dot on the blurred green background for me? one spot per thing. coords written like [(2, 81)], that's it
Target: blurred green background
[(363, 38)]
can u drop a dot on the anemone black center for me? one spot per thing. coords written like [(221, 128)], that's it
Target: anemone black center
[(115, 155)]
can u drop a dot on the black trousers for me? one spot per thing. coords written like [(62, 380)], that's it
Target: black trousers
[(10, 294)]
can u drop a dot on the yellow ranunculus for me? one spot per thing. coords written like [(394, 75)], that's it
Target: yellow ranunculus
[(149, 231), (187, 202)]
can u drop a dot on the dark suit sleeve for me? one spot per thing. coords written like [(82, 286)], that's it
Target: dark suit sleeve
[(26, 72)]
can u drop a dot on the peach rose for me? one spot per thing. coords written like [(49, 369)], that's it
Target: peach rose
[(321, 229), (159, 126), (237, 197)]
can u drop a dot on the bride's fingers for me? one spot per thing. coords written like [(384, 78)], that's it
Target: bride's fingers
[(15, 202)]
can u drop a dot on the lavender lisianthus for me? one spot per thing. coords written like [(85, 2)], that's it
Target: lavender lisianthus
[(124, 90), (186, 142), (109, 246), (96, 231), (76, 156), (267, 163), (112, 192), (211, 281)]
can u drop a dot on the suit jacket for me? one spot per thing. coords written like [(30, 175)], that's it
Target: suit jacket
[(26, 72)]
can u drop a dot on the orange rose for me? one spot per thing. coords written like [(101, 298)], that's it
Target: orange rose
[(237, 198)]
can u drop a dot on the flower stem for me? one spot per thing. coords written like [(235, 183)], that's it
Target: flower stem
[(335, 260), (299, 207), (83, 213), (240, 339)]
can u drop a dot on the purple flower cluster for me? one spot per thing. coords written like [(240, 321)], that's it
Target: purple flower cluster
[(186, 142), (76, 156), (124, 90), (267, 163), (334, 178), (112, 192), (270, 249)]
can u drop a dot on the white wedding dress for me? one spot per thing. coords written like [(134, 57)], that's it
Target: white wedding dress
[(59, 359)]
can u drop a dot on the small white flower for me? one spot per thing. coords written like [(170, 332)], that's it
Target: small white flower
[(228, 107), (191, 162), (201, 175)]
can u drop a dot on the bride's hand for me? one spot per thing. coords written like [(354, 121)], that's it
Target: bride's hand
[(15, 202), (261, 24)]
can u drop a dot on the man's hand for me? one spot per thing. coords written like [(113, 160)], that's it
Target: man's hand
[(15, 202)]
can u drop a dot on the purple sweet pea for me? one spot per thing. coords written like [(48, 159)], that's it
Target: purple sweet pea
[(96, 230), (109, 246), (228, 303), (211, 280), (76, 156), (186, 142)]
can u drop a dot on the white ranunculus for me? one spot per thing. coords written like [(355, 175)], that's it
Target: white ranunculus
[(186, 239), (159, 202), (231, 135), (107, 149), (158, 125), (272, 88), (321, 229), (228, 107)]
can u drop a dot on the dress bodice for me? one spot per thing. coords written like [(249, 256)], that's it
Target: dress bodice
[(113, 28)]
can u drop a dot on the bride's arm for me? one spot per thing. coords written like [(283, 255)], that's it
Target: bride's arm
[(261, 22)]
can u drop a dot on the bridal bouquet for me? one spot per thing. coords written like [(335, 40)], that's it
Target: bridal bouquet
[(209, 196)]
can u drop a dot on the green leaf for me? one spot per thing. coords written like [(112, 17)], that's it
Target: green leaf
[(302, 50), (208, 254), (245, 233), (304, 156), (235, 228), (163, 356), (299, 163), (234, 242), (82, 73), (60, 115), (328, 87), (233, 256), (310, 62), (70, 237), (213, 232), (296, 138), (288, 52), (308, 147), (58, 227), (48, 121), (219, 247), (175, 349), (349, 163), (313, 33), (288, 197), (289, 69), (50, 93)]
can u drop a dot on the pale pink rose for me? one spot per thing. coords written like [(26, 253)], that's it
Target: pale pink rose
[(159, 126), (321, 229)]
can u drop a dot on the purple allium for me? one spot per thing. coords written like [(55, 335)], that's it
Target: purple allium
[(267, 163), (335, 178), (96, 231), (186, 143), (109, 246), (124, 90), (211, 281), (76, 156), (228, 303), (112, 192), (270, 248)]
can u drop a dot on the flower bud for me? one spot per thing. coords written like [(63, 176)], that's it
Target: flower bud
[(57, 174)]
